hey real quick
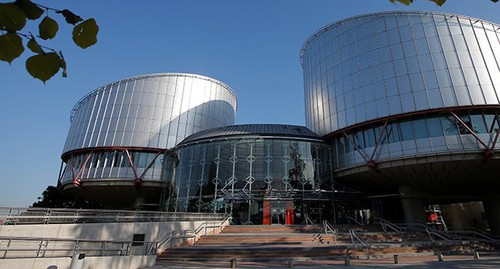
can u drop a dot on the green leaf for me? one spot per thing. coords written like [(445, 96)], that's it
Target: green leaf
[(11, 47), (43, 66), (63, 65), (439, 2), (31, 10), (33, 46), (12, 19), (405, 2), (48, 28), (494, 1), (85, 33), (70, 17)]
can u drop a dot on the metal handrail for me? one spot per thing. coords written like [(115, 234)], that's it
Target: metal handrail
[(37, 247), (308, 220), (443, 235), (432, 232), (355, 237), (21, 215), (414, 226), (328, 228), (485, 234), (349, 219), (187, 234), (475, 235), (387, 224)]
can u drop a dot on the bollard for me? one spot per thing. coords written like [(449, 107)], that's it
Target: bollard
[(290, 263), (440, 257), (233, 263), (476, 255), (396, 259), (77, 261), (347, 261)]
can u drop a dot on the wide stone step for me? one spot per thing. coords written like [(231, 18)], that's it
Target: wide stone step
[(297, 228), (271, 229), (182, 253), (261, 237), (288, 252), (284, 237)]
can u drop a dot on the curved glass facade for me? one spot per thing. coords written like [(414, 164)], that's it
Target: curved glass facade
[(385, 64), (121, 132), (430, 134), (247, 166), (151, 111), (116, 164)]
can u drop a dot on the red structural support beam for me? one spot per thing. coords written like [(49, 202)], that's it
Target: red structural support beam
[(409, 115), (137, 180), (127, 150), (356, 146), (76, 179), (488, 151), (69, 154), (371, 162), (149, 165)]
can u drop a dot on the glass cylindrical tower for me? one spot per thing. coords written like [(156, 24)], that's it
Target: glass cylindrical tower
[(407, 99), (120, 132)]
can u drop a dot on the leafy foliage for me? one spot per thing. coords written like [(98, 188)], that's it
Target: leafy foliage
[(11, 47), (85, 33), (48, 28), (11, 17), (438, 2), (44, 65), (47, 61), (53, 198)]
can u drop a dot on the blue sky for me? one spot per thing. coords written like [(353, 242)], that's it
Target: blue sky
[(253, 46)]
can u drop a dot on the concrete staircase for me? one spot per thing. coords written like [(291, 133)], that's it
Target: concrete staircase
[(270, 242)]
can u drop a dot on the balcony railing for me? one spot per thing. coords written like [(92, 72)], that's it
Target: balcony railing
[(18, 216), (34, 247)]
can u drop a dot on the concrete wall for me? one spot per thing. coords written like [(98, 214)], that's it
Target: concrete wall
[(88, 262), (99, 231), (465, 216), (154, 231)]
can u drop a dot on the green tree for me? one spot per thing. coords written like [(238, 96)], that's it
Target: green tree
[(52, 197), (46, 61)]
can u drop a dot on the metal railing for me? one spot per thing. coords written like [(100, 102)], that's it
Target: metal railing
[(18, 216), (476, 235), (308, 220), (387, 225), (330, 230), (350, 220), (433, 233), (171, 239), (36, 247), (355, 238)]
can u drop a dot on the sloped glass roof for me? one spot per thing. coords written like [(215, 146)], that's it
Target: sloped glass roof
[(245, 130)]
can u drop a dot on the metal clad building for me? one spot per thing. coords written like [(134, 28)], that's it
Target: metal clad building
[(409, 102), (120, 131), (384, 64), (400, 106)]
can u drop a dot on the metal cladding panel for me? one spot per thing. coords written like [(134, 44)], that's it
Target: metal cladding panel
[(153, 111), (385, 64)]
